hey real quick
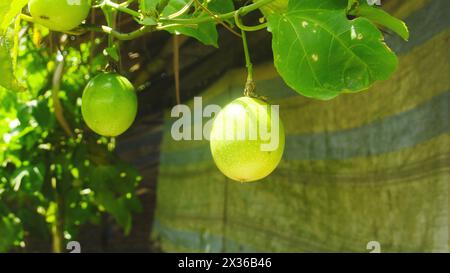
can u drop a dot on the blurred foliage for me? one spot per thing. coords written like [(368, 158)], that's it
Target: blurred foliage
[(50, 181)]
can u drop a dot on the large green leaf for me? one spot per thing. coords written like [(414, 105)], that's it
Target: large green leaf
[(205, 32), (320, 53), (9, 10)]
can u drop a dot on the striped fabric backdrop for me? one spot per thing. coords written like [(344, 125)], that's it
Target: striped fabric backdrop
[(372, 166)]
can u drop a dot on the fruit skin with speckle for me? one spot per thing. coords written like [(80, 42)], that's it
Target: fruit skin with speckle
[(109, 104), (59, 15), (243, 159)]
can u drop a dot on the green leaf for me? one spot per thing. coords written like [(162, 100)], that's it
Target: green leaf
[(9, 10), (117, 208), (379, 16), (148, 6), (321, 54), (152, 7), (219, 6), (148, 21), (10, 230), (43, 115), (8, 79), (277, 6), (15, 50), (112, 52), (205, 32), (111, 188), (352, 4), (151, 10)]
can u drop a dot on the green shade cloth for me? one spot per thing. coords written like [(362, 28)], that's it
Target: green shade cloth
[(372, 166)]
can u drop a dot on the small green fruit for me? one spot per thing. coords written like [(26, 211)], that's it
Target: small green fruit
[(59, 15), (109, 104)]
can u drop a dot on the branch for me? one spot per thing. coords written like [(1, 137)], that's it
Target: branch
[(122, 8), (55, 96), (243, 11), (220, 21), (126, 3), (164, 23)]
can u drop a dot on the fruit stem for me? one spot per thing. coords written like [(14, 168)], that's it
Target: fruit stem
[(250, 85), (27, 18), (111, 19)]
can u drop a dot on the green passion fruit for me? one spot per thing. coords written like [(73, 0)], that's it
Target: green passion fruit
[(109, 104), (247, 139), (59, 15)]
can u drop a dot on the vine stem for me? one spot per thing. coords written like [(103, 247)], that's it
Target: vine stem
[(126, 3), (247, 28), (92, 38), (182, 10), (242, 11), (164, 23), (122, 8), (217, 19)]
